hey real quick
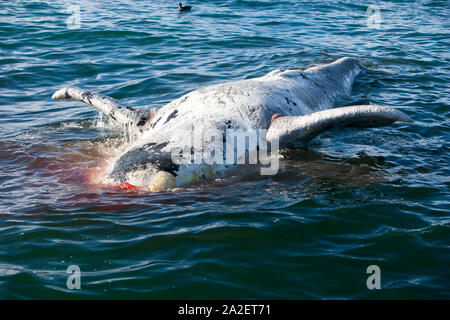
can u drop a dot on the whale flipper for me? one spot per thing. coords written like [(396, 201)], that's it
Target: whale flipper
[(111, 107), (294, 131)]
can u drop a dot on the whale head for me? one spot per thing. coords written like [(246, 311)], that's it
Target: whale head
[(147, 166)]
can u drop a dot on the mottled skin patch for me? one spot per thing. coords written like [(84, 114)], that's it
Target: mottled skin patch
[(155, 123), (142, 121), (171, 116)]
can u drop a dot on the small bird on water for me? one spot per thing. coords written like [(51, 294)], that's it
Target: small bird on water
[(185, 8)]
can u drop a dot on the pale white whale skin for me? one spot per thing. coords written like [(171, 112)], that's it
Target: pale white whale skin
[(303, 98)]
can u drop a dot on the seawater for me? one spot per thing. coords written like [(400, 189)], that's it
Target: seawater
[(352, 199)]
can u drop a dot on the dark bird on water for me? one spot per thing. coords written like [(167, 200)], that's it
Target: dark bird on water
[(185, 8)]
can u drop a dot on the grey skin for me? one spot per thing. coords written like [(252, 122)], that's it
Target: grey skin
[(293, 105)]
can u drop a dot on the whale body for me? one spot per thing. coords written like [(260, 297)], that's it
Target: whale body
[(289, 107)]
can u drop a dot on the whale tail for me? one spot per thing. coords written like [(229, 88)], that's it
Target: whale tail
[(336, 79), (295, 131), (113, 108)]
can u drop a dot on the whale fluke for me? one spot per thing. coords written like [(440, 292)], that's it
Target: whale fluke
[(113, 108), (294, 131)]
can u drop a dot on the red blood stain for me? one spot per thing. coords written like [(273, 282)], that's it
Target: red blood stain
[(127, 186)]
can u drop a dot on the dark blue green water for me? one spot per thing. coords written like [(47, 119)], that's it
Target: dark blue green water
[(352, 199)]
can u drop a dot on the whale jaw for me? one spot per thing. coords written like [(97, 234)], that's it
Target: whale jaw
[(162, 181), (146, 165)]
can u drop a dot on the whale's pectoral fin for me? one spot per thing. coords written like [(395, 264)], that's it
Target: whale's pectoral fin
[(296, 131), (113, 108)]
